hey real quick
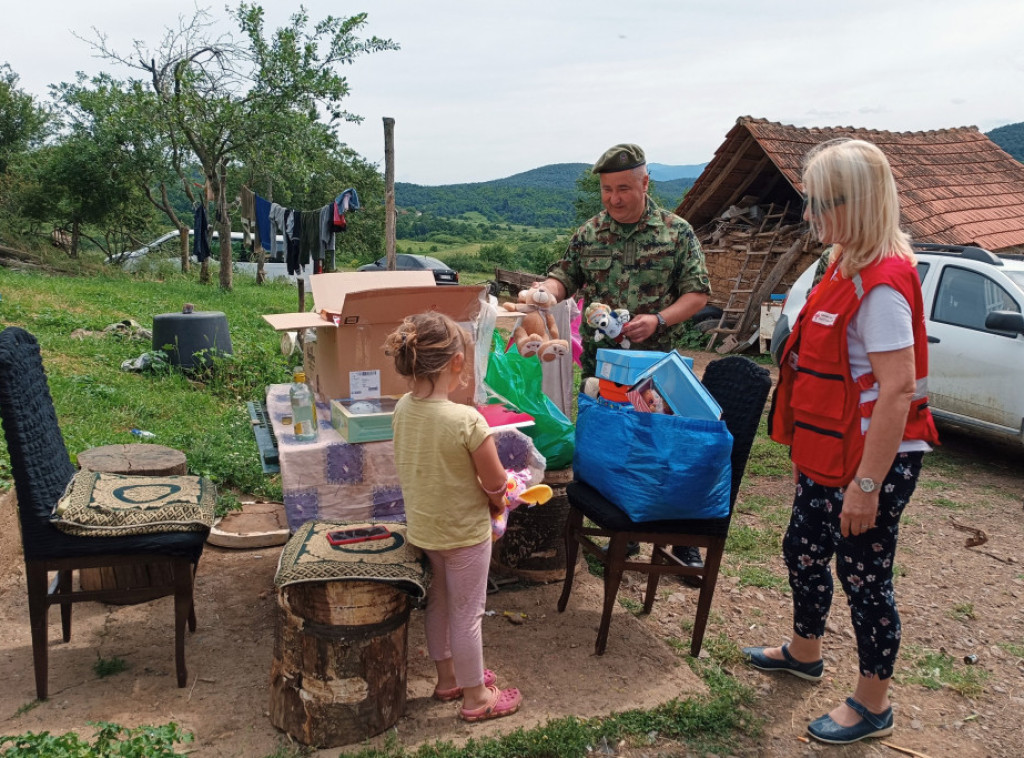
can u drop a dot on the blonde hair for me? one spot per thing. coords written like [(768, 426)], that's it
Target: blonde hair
[(424, 344), (855, 175)]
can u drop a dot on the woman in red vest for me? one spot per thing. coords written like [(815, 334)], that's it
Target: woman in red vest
[(851, 403)]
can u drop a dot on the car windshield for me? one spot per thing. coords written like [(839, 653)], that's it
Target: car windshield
[(434, 263)]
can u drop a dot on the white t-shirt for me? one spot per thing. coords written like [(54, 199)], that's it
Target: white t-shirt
[(884, 322)]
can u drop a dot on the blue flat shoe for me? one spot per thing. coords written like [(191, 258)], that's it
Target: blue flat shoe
[(824, 729), (810, 671)]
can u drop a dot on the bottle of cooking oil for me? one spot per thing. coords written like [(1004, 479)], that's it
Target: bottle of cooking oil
[(303, 409)]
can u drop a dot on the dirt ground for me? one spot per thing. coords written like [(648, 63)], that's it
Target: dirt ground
[(957, 599)]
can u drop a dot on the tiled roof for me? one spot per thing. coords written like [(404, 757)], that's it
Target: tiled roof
[(956, 185)]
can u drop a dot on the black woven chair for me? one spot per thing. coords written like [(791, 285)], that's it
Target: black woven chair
[(741, 387), (42, 469)]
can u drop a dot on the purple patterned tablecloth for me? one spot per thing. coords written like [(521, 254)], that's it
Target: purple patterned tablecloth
[(331, 480)]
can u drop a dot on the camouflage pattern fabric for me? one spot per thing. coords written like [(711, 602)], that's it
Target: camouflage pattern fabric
[(642, 267)]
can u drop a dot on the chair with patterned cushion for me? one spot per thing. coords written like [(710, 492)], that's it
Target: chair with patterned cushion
[(42, 470), (741, 388)]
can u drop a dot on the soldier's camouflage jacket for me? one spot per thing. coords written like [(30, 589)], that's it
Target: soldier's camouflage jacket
[(642, 267)]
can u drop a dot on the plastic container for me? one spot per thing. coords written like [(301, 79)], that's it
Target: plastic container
[(304, 422)]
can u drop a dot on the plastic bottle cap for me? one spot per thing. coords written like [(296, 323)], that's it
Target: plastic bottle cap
[(299, 376)]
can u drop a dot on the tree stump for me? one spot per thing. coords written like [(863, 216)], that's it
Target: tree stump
[(533, 547), (135, 459), (339, 670)]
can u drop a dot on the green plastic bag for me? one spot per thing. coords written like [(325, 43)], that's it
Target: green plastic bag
[(519, 380)]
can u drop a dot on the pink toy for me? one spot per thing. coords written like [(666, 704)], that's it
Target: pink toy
[(517, 492)]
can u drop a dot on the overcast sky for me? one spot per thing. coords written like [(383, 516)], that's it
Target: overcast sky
[(482, 90)]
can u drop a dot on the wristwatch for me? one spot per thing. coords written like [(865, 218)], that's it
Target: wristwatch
[(662, 326), (865, 483)]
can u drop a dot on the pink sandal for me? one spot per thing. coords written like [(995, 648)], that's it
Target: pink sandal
[(502, 703), (455, 693)]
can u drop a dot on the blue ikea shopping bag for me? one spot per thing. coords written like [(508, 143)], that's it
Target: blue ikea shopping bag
[(654, 466)]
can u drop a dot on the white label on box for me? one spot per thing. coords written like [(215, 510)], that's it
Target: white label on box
[(364, 385), (606, 370)]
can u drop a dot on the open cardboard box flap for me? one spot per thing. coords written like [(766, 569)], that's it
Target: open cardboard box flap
[(332, 292), (367, 307)]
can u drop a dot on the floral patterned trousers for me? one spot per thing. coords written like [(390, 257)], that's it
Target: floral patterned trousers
[(863, 564)]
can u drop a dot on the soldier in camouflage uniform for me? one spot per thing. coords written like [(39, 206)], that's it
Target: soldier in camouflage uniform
[(632, 255), (640, 257)]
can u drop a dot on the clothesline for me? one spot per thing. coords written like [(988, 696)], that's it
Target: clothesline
[(308, 235)]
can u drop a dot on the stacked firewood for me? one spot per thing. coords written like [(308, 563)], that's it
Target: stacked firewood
[(738, 230)]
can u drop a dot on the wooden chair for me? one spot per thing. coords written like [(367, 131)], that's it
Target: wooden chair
[(42, 469), (741, 387)]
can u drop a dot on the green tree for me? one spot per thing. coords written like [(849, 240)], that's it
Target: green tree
[(76, 186), (233, 102), (23, 123), (124, 116), (588, 196)]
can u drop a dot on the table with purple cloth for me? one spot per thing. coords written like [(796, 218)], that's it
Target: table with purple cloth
[(332, 480), (329, 479)]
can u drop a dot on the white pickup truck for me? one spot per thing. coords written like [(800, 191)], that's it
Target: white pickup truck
[(974, 306)]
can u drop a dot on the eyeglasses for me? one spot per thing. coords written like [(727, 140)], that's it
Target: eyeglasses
[(818, 206)]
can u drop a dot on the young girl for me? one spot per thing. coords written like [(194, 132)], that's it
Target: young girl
[(451, 480)]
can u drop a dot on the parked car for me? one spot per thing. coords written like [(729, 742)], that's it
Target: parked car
[(974, 311), (409, 262)]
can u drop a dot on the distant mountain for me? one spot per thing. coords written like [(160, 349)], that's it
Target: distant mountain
[(540, 197), (662, 173), (1010, 138), (552, 176)]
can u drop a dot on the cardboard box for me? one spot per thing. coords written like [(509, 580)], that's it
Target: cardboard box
[(353, 313), (679, 388), (364, 420)]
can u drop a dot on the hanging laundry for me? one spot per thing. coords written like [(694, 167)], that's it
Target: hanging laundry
[(277, 227), (346, 201), (263, 223), (309, 237), (200, 233), (327, 236), (292, 222), (247, 212)]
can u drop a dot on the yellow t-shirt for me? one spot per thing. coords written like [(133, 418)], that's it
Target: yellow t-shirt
[(444, 505)]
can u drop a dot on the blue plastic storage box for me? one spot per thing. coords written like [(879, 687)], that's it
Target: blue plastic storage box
[(675, 381), (626, 366)]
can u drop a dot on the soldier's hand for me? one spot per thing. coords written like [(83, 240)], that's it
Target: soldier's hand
[(640, 328)]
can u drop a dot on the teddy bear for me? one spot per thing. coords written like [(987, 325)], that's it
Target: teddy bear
[(607, 323), (537, 333)]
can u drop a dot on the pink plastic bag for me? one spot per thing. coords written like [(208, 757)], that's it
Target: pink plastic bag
[(574, 327)]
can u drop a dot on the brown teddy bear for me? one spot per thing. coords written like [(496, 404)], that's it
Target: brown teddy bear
[(537, 333)]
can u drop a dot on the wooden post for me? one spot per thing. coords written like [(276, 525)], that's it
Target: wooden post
[(390, 217)]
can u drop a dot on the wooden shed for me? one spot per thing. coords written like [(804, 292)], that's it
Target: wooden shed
[(956, 187)]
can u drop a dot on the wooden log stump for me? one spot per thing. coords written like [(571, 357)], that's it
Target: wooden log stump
[(533, 547), (339, 670), (134, 459)]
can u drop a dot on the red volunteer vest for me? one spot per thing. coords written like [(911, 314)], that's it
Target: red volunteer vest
[(816, 409)]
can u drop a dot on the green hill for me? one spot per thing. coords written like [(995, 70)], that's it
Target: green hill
[(1010, 138), (541, 197)]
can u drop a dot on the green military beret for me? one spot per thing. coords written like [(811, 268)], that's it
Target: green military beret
[(619, 158)]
